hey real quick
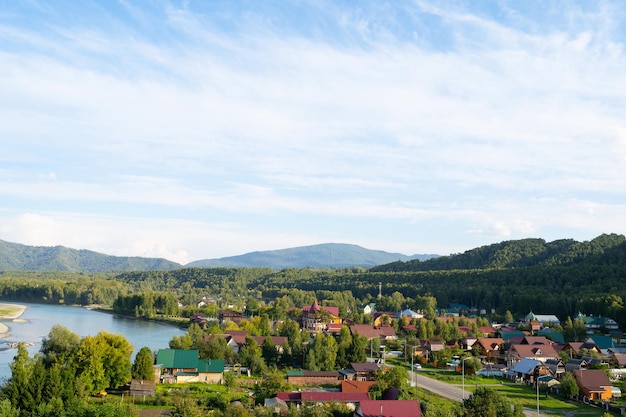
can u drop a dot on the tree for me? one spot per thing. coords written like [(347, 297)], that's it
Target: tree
[(269, 352), (250, 355), (143, 367), (322, 353), (17, 388), (569, 387), (485, 402), (230, 380), (272, 383), (117, 353), (396, 377), (59, 344), (508, 317)]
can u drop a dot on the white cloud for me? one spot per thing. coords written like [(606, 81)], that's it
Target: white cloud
[(513, 127)]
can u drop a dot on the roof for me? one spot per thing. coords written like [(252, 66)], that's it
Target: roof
[(506, 335), (592, 380), (534, 351), (356, 386), (526, 366), (276, 340), (323, 396), (603, 342), (178, 358), (382, 408), (364, 367), (211, 365), (490, 343)]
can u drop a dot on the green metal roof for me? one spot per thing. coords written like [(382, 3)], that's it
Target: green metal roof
[(177, 358), (211, 365)]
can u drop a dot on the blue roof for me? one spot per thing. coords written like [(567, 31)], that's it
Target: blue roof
[(526, 366)]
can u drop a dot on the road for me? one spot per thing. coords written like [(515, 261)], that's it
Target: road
[(450, 391)]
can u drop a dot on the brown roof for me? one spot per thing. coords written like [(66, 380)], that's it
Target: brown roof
[(356, 386), (382, 408), (276, 340), (490, 343), (533, 351), (364, 367), (591, 380)]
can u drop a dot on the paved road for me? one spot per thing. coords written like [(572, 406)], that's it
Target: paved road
[(450, 391)]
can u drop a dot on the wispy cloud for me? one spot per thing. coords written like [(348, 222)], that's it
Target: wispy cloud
[(502, 121)]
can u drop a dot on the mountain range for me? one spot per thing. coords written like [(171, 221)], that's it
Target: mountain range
[(18, 257)]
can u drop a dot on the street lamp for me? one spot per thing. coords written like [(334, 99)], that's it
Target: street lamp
[(413, 375), (463, 373)]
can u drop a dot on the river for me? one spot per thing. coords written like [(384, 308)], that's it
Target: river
[(35, 324)]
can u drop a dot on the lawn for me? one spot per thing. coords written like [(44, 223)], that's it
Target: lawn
[(521, 394)]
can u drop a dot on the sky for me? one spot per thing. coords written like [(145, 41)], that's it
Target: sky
[(196, 129)]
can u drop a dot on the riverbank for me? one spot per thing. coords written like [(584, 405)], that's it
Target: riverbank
[(10, 312)]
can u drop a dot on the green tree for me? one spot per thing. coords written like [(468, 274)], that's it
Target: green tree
[(143, 367), (269, 352), (485, 402), (250, 355), (17, 388), (322, 353), (273, 382), (7, 409), (508, 317), (569, 387), (59, 344)]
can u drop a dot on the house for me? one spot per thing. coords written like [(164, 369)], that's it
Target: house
[(509, 334), (364, 371), (277, 405), (300, 377), (315, 317), (575, 348), (383, 332), (604, 343), (210, 371), (235, 339), (490, 349), (410, 314), (142, 388), (229, 315), (556, 367), (617, 360), (599, 324), (546, 320), (387, 408), (528, 370), (381, 318), (517, 352), (593, 384), (175, 361), (182, 366)]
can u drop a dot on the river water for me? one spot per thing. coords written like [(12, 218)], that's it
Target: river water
[(39, 319)]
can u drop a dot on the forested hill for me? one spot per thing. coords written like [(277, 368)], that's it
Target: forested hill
[(326, 255), (605, 249), (17, 257)]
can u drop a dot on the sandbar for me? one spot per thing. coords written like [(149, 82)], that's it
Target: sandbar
[(9, 312)]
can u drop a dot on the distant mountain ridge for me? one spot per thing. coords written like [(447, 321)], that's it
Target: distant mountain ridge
[(604, 249), (325, 255), (18, 257)]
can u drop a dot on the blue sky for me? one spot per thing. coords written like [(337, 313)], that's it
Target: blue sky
[(202, 129)]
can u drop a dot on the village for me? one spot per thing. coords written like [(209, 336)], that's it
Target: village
[(531, 351)]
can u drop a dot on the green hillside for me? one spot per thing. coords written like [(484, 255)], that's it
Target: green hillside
[(520, 254), (17, 257)]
